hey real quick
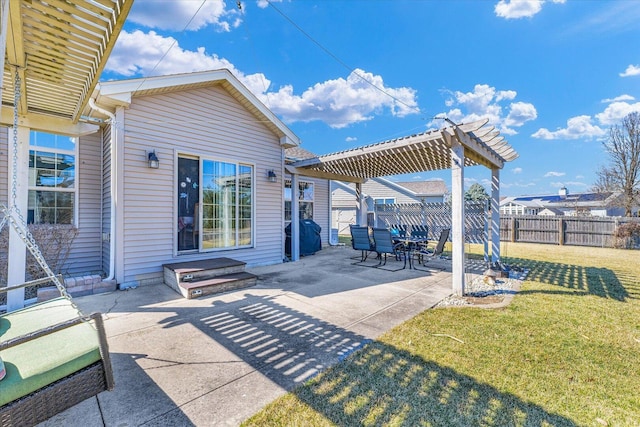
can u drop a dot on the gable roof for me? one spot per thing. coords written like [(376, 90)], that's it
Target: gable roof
[(425, 188), (119, 93)]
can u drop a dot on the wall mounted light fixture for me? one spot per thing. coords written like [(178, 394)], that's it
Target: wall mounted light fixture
[(271, 176), (154, 163)]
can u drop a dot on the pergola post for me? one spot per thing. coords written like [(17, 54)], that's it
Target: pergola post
[(495, 215), (457, 211), (295, 218), (361, 210), (17, 248)]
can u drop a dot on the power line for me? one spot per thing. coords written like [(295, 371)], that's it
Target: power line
[(340, 61)]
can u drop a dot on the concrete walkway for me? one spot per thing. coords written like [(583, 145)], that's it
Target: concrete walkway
[(218, 360)]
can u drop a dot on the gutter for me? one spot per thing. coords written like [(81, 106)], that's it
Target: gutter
[(112, 212)]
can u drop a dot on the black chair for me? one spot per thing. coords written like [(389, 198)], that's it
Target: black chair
[(384, 245), (426, 251), (361, 241)]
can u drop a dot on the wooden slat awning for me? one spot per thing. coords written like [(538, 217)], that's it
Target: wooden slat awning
[(59, 49), (426, 151)]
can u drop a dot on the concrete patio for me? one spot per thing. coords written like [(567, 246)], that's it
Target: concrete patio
[(219, 359)]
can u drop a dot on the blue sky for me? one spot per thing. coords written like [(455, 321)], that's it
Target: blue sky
[(552, 76)]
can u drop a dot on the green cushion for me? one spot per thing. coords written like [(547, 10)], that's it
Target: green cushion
[(37, 363)]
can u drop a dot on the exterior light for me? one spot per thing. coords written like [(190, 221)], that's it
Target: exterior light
[(154, 163), (271, 176)]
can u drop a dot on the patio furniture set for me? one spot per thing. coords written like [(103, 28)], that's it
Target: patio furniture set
[(396, 242)]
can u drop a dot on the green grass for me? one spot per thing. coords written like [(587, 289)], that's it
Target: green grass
[(566, 351)]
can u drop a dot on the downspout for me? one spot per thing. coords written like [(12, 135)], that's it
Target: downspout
[(112, 208)]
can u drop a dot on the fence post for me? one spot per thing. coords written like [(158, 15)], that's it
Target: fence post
[(561, 232), (513, 229)]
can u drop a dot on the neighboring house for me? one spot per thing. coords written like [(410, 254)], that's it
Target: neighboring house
[(563, 203), (217, 190), (379, 191)]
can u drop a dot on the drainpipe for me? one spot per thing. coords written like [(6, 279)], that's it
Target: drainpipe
[(112, 213)]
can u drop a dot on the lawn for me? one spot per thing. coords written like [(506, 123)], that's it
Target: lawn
[(565, 352)]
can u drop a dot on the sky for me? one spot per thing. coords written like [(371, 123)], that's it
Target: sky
[(553, 76)]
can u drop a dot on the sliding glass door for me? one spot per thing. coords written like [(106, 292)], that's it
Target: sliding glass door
[(224, 217)]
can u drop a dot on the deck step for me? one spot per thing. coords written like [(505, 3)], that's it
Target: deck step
[(214, 285), (199, 270)]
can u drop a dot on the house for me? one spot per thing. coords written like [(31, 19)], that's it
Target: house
[(379, 191), (563, 203), (181, 167)]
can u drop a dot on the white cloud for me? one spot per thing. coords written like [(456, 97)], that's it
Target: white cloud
[(484, 102), (341, 102), (516, 170), (577, 127), (624, 97), (176, 14), (262, 4), (632, 70), (549, 174), (338, 102), (615, 112), (351, 139), (515, 9)]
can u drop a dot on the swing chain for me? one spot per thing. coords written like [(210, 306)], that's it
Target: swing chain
[(16, 101), (20, 225)]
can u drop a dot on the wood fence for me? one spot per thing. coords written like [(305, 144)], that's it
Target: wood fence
[(556, 230), (561, 230)]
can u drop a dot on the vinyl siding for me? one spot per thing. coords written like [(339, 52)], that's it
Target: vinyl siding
[(207, 122), (86, 251)]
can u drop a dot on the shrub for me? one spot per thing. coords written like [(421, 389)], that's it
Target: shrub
[(627, 235), (54, 242)]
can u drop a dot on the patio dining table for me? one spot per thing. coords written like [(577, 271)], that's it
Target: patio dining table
[(411, 244)]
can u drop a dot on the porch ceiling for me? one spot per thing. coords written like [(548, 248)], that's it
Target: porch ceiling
[(59, 49), (416, 153)]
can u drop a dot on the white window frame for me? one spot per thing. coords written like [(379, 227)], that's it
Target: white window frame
[(76, 179), (313, 201)]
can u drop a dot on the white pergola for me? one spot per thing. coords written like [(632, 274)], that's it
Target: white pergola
[(453, 147), (53, 51)]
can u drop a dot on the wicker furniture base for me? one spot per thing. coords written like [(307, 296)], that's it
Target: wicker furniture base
[(54, 398)]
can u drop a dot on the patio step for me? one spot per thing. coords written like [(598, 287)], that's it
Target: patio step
[(193, 279)]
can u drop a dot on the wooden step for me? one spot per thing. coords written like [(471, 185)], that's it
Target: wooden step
[(224, 283)]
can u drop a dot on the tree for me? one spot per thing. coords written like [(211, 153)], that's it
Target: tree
[(476, 193), (623, 172)]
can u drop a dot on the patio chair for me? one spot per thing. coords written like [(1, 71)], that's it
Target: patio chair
[(398, 230), (425, 251), (420, 231), (361, 241), (384, 245)]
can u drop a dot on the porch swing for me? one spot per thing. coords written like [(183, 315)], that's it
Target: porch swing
[(54, 356)]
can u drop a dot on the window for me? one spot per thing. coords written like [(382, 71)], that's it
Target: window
[(389, 201), (224, 217), (305, 200), (52, 186)]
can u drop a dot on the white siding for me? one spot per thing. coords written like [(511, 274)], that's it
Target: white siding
[(86, 251), (321, 206), (208, 122)]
